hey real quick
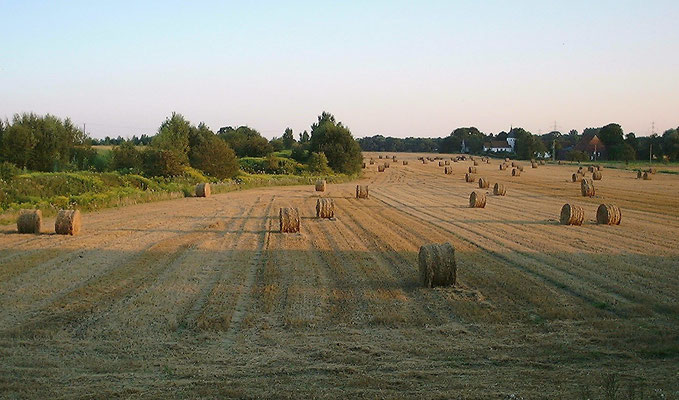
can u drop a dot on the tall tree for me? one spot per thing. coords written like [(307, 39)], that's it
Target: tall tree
[(173, 135), (288, 138), (337, 143)]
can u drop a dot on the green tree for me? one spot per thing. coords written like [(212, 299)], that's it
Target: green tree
[(277, 144), (288, 138), (173, 135), (214, 157), (304, 137), (336, 141), (126, 156), (318, 163), (17, 145), (245, 141), (611, 135), (162, 163)]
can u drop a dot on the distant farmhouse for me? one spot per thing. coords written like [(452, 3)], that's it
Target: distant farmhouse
[(592, 146), (501, 145)]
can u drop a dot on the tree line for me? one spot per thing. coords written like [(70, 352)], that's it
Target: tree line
[(47, 143), (619, 146)]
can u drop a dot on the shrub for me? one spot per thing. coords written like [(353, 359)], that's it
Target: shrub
[(126, 156), (318, 163), (335, 140), (214, 157), (299, 153), (576, 155), (162, 163), (8, 171)]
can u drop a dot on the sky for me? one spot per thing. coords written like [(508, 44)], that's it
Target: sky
[(396, 68)]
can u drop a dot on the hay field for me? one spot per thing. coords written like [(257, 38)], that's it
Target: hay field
[(203, 298)]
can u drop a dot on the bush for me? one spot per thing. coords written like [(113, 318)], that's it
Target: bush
[(273, 165), (245, 141), (335, 140), (576, 155), (162, 163), (8, 171), (299, 153), (126, 156), (214, 157), (318, 163)]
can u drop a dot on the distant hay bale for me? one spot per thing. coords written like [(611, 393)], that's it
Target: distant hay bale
[(380, 168), (477, 200), (29, 221), (289, 220), (516, 172), (469, 177), (363, 165), (608, 214), (361, 191), (372, 162), (476, 163), (600, 167), (424, 161), (472, 170), (386, 165), (68, 222), (441, 164), (321, 185), (590, 168), (503, 167), (393, 158), (576, 177), (447, 162), (483, 183), (380, 157), (437, 265), (587, 187), (515, 164), (499, 189), (533, 165), (448, 170), (325, 208), (639, 174), (596, 175), (653, 170), (520, 168), (572, 215), (506, 159), (647, 176), (542, 162), (203, 190), (405, 162), (559, 162)]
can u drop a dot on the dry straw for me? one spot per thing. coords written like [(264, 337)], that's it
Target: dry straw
[(325, 208), (469, 177), (608, 214), (472, 170), (483, 183), (576, 177), (203, 190), (572, 215), (448, 170), (380, 168), (516, 172), (361, 191), (68, 222), (289, 220), (596, 175), (587, 187), (29, 221), (499, 189), (520, 168), (320, 185), (477, 200), (437, 265)]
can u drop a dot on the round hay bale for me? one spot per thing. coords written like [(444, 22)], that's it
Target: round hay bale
[(380, 157), (289, 220), (576, 177), (29, 221), (472, 170), (600, 167), (596, 175), (572, 215), (477, 200), (639, 174), (587, 187), (503, 167), (405, 162), (542, 162), (516, 172), (372, 162), (380, 168), (483, 183), (320, 185), (647, 176), (440, 163), (469, 177), (515, 164), (448, 170), (386, 165), (533, 165), (68, 222), (499, 189), (393, 158), (203, 190), (325, 208), (653, 170), (437, 265), (447, 162), (559, 162), (363, 165), (608, 214), (590, 168), (361, 191), (476, 163), (520, 168), (506, 159)]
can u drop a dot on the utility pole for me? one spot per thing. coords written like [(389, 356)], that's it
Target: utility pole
[(84, 126), (554, 150), (595, 152)]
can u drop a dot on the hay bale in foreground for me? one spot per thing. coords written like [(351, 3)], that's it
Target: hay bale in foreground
[(516, 172), (203, 190), (587, 187), (499, 189), (469, 177), (472, 170), (576, 177), (321, 185), (483, 183), (437, 265), (68, 222), (608, 214), (572, 215), (596, 175), (653, 170), (325, 208), (647, 176), (289, 220), (361, 191), (477, 200), (590, 168), (520, 168), (29, 221)]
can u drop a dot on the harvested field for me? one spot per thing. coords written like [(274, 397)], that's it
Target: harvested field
[(204, 298)]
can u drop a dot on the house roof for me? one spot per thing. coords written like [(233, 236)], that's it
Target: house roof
[(497, 144), (589, 144)]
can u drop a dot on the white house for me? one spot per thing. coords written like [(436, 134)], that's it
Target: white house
[(511, 140), (498, 145)]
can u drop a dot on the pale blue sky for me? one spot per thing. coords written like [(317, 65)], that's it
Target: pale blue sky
[(391, 67)]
